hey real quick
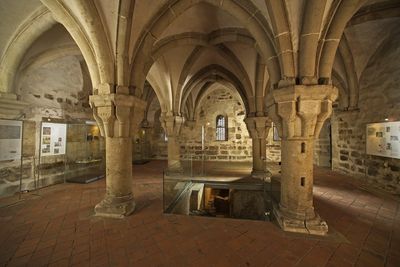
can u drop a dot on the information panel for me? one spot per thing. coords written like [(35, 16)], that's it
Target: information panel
[(10, 139), (53, 139), (383, 139)]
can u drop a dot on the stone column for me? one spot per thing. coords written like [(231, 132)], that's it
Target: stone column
[(300, 112), (258, 128), (172, 126), (115, 114)]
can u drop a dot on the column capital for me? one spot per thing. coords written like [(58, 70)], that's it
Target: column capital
[(299, 111), (258, 127), (171, 124), (117, 113)]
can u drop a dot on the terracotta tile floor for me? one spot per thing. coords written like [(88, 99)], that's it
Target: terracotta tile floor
[(57, 228)]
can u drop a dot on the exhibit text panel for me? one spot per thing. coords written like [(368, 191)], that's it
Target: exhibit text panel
[(383, 139), (10, 139), (53, 139)]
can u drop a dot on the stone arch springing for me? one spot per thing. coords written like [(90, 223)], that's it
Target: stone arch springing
[(308, 46), (93, 42), (339, 83), (351, 75), (215, 73), (211, 86), (202, 41), (149, 96), (228, 55), (38, 23), (279, 18), (340, 13)]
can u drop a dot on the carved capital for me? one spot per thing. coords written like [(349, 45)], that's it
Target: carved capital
[(258, 127), (300, 111), (116, 114), (171, 124)]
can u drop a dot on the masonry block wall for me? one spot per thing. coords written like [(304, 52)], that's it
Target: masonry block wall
[(379, 99), (322, 146), (58, 90), (238, 143), (237, 147)]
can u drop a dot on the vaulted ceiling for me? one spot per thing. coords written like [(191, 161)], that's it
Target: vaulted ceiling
[(182, 48)]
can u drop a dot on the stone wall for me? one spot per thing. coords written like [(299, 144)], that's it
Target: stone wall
[(379, 99), (322, 146), (236, 148), (57, 90)]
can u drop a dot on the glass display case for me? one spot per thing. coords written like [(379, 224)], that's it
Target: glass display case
[(52, 151)]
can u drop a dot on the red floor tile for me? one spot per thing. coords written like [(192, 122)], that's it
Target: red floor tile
[(57, 228)]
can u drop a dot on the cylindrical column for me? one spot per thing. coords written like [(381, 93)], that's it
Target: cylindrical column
[(263, 152), (258, 128), (118, 201), (118, 116), (299, 112), (174, 155), (119, 166), (297, 179), (258, 165)]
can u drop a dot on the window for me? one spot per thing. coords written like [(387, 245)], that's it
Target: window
[(221, 128), (276, 136)]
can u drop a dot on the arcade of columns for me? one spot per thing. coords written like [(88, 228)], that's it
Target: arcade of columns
[(297, 98)]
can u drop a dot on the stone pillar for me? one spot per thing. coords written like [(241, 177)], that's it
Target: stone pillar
[(299, 112), (258, 128), (115, 114), (172, 126)]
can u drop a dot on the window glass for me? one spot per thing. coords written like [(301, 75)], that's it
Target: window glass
[(221, 128)]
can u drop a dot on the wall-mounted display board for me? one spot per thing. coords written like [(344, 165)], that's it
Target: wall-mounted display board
[(53, 139), (10, 139), (383, 139)]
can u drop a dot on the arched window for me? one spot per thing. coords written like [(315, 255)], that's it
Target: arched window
[(221, 128)]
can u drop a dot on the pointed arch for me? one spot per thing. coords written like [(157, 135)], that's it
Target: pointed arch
[(38, 23), (310, 33), (279, 18), (351, 75), (213, 73), (340, 13), (90, 37), (246, 12)]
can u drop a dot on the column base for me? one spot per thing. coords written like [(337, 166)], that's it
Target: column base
[(262, 175), (115, 207), (314, 226)]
